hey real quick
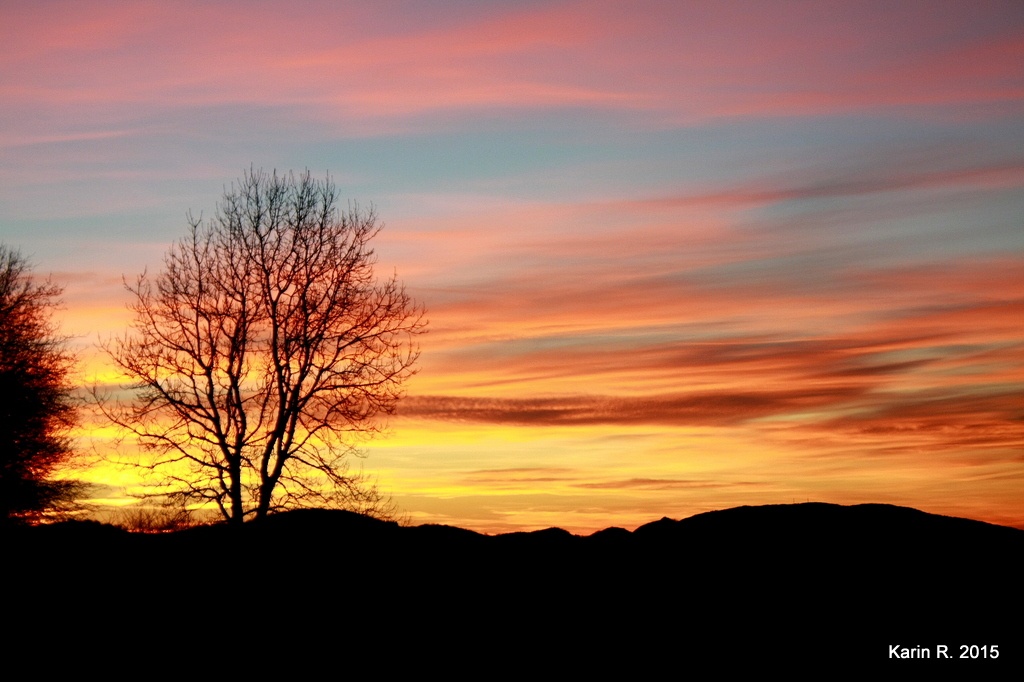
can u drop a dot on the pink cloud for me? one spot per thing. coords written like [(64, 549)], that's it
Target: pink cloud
[(348, 63)]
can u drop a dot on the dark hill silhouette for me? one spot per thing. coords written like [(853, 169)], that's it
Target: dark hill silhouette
[(844, 580), (885, 537)]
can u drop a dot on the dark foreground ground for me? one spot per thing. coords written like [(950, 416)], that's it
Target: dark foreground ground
[(777, 587)]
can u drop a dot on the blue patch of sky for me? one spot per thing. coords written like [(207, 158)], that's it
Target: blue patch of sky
[(579, 159), (141, 184)]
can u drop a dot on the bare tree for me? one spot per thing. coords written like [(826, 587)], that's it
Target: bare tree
[(265, 350)]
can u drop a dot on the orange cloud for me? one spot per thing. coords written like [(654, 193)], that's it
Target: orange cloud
[(721, 408)]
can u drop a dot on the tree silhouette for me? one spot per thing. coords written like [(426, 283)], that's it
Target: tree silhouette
[(36, 409), (264, 350)]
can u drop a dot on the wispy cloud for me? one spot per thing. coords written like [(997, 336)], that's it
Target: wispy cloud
[(343, 60), (660, 484), (701, 409)]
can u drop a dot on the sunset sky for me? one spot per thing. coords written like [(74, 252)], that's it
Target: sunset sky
[(676, 256)]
